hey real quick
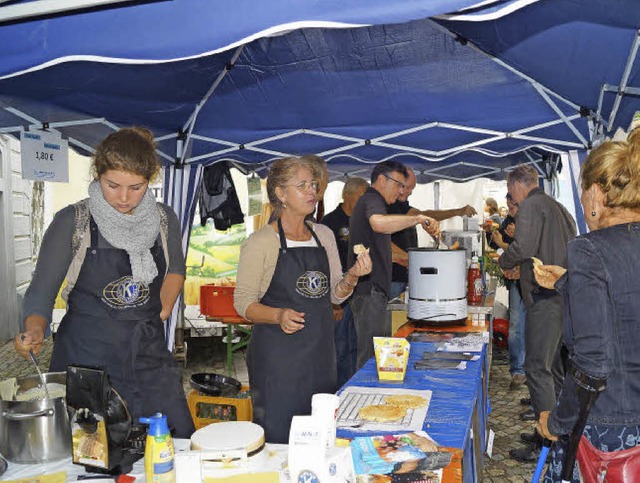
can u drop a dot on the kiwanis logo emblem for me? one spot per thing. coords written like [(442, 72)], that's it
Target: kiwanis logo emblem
[(312, 284), (125, 292)]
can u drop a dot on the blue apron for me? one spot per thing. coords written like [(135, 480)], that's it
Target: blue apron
[(286, 370), (114, 323)]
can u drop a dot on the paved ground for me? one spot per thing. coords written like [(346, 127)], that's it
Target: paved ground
[(207, 354)]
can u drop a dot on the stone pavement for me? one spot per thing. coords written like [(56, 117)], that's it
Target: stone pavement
[(207, 354)]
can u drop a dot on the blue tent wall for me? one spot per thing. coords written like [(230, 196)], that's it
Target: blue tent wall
[(357, 82)]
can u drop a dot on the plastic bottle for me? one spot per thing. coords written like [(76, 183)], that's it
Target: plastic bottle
[(158, 451), (474, 285)]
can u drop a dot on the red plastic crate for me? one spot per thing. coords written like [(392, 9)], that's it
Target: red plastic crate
[(217, 301)]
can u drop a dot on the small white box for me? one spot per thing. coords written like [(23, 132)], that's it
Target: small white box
[(470, 223), (471, 241)]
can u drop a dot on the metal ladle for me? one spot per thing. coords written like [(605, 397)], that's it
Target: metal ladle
[(32, 356)]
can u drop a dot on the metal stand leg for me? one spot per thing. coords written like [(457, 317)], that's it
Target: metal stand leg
[(179, 344), (244, 335)]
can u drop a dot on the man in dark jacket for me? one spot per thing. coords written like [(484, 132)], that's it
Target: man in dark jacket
[(543, 228)]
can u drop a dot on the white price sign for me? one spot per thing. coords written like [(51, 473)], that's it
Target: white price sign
[(45, 156)]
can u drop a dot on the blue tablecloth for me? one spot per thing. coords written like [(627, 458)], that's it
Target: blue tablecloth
[(455, 394)]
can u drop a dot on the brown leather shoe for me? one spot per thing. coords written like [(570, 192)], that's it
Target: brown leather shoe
[(517, 380)]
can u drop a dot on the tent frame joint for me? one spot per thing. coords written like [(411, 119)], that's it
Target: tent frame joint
[(460, 39)]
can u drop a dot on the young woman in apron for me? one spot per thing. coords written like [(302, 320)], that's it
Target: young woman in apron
[(291, 354), (122, 288)]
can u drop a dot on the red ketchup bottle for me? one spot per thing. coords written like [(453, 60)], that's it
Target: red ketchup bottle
[(474, 285)]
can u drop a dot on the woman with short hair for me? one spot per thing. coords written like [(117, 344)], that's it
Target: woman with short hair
[(289, 274)]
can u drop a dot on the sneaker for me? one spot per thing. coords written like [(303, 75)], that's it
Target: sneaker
[(517, 380), (525, 401)]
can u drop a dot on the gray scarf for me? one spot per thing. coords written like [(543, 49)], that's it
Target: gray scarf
[(135, 233)]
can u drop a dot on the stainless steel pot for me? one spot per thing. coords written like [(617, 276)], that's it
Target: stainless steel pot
[(437, 285), (35, 431)]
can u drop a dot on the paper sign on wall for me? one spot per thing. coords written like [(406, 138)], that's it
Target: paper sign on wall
[(45, 156)]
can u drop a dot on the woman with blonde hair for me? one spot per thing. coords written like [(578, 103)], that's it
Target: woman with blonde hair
[(121, 254), (289, 274), (491, 210), (602, 315)]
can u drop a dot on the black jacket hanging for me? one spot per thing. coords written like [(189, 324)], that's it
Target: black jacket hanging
[(218, 198)]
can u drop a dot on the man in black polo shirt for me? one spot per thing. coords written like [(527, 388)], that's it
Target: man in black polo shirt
[(344, 330), (372, 226), (408, 238)]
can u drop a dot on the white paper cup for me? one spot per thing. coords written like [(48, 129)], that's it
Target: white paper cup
[(324, 407)]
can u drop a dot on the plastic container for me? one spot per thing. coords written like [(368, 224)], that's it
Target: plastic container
[(217, 301), (474, 283), (211, 409), (158, 451)]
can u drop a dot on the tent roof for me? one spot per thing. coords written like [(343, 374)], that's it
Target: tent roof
[(357, 83)]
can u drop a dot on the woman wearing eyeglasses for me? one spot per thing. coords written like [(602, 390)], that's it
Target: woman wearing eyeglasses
[(289, 274)]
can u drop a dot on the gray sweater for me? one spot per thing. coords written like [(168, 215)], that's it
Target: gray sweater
[(543, 229)]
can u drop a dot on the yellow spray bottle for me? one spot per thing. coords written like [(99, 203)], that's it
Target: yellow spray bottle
[(158, 451)]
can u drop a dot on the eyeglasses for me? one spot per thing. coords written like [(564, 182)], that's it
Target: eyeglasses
[(305, 186), (402, 185)]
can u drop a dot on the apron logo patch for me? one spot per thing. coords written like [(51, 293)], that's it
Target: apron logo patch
[(312, 284), (124, 293)]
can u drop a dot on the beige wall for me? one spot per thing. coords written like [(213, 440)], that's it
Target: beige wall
[(59, 195)]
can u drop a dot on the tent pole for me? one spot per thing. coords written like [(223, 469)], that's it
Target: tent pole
[(560, 114), (189, 125), (625, 77)]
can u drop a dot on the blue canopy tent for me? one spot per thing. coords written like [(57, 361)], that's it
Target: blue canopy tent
[(355, 82)]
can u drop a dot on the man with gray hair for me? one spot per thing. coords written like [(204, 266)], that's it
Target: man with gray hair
[(344, 330), (543, 228)]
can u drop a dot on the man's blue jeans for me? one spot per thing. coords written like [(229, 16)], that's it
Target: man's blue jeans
[(396, 289), (517, 317)]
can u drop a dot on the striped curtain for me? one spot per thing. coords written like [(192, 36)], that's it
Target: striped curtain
[(181, 188), (576, 158)]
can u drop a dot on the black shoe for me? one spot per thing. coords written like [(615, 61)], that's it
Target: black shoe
[(525, 401), (526, 454), (527, 415), (531, 438)]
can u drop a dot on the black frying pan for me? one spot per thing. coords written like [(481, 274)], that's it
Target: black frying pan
[(213, 384)]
